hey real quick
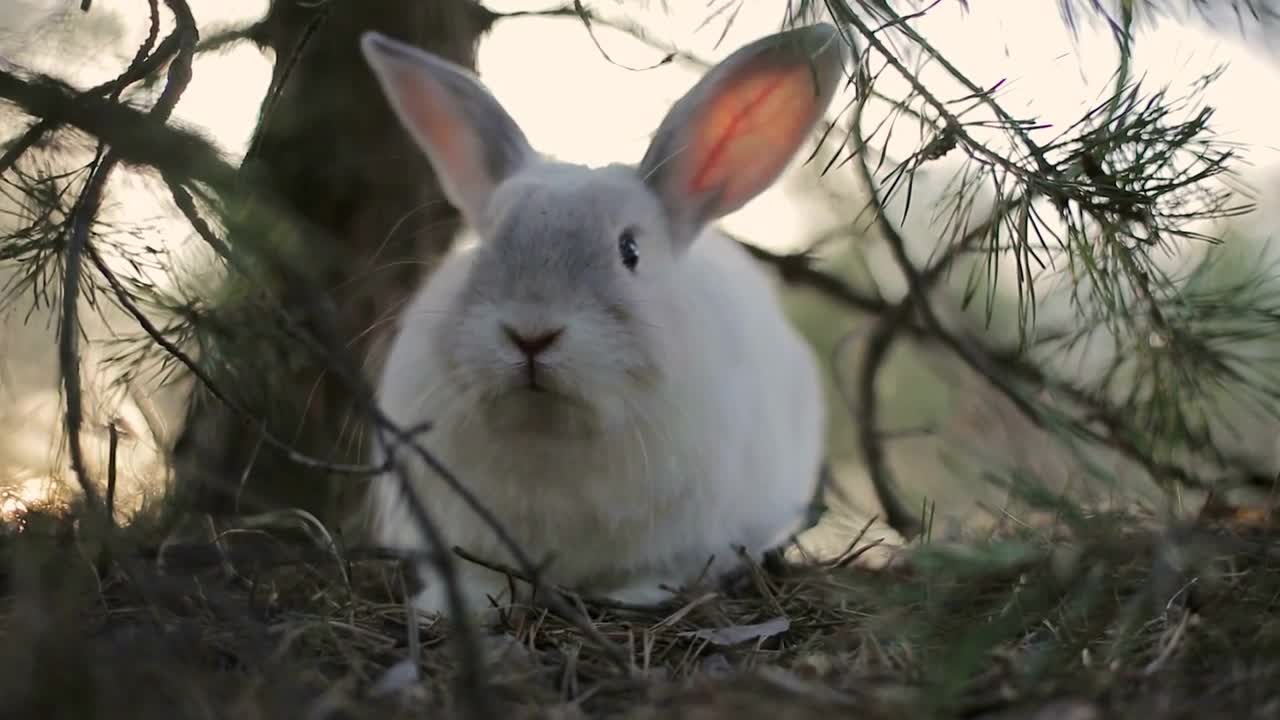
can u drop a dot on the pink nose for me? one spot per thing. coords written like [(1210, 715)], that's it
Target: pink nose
[(532, 345)]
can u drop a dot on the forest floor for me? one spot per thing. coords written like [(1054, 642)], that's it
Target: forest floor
[(1099, 617)]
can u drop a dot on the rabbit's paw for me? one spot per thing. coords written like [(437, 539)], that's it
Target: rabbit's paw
[(648, 591), (484, 595)]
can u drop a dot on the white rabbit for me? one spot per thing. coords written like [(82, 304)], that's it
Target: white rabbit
[(615, 381)]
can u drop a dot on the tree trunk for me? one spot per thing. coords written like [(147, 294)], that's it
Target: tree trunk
[(328, 146)]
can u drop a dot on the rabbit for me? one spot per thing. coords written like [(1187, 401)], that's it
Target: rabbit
[(609, 375)]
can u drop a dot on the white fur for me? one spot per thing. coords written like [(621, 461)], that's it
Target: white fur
[(683, 414), (725, 451)]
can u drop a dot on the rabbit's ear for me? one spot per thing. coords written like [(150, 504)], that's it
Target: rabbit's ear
[(471, 141), (735, 131)]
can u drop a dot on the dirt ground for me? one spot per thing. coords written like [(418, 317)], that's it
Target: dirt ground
[(1089, 617)]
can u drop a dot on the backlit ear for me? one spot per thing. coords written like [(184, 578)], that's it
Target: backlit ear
[(733, 133), (471, 141)]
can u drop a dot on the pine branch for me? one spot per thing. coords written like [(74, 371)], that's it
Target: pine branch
[(135, 136)]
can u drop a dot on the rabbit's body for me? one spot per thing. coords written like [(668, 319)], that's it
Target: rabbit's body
[(613, 379), (665, 471)]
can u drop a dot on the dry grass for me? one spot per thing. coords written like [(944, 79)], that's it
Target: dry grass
[(1115, 618)]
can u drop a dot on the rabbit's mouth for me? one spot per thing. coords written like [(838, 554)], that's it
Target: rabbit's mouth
[(531, 382), (535, 380), (541, 408), (542, 381)]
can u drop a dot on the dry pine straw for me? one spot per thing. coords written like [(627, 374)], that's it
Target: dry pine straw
[(1122, 620)]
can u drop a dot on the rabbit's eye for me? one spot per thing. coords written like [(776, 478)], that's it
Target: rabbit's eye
[(628, 249)]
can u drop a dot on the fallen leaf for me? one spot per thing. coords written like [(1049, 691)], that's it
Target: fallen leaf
[(735, 634)]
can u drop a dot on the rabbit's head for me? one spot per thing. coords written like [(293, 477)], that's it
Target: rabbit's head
[(576, 277)]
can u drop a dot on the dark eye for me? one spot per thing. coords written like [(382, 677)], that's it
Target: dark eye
[(628, 249)]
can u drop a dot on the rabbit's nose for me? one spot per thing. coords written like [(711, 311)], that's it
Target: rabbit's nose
[(532, 345)]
